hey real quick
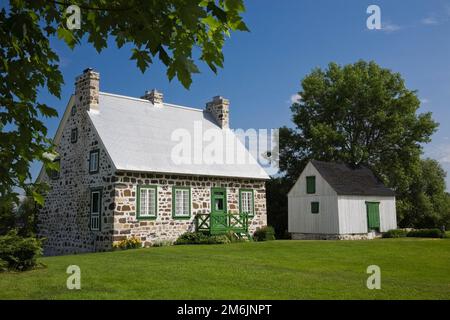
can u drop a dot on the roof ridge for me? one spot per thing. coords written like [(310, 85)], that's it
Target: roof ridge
[(182, 107), (147, 101), (124, 97)]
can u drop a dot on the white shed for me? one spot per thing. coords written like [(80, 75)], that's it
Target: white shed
[(335, 201)]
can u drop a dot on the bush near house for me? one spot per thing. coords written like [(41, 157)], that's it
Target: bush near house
[(18, 253), (265, 233), (201, 238), (416, 233), (395, 233), (427, 233), (129, 243)]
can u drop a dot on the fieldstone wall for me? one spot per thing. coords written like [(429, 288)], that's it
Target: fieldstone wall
[(64, 219), (165, 227)]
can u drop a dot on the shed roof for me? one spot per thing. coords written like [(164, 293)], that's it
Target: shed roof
[(346, 180), (138, 137)]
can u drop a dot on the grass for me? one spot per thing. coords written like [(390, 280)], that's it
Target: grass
[(410, 269)]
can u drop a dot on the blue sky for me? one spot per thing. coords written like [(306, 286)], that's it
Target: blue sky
[(263, 68)]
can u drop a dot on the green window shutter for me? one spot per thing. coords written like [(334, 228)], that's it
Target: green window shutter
[(74, 135), (311, 184), (315, 207), (95, 209)]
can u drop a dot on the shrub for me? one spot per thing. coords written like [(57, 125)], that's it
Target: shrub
[(129, 243), (3, 265), (395, 233), (233, 237), (191, 238), (18, 253), (162, 243), (265, 233), (427, 233), (201, 238)]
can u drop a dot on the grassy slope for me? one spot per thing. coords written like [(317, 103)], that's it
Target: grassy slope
[(411, 269)]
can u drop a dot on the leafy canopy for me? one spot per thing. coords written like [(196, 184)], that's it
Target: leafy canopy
[(166, 30), (360, 114), (363, 114)]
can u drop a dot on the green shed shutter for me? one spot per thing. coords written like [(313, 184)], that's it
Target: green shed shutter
[(311, 184), (314, 207)]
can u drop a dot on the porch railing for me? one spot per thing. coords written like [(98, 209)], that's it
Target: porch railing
[(217, 223)]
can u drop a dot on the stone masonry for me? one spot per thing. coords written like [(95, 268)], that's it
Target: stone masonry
[(165, 227), (64, 219)]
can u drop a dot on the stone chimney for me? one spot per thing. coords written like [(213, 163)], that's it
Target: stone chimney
[(219, 108), (154, 97), (86, 89)]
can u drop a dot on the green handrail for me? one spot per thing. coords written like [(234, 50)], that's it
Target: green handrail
[(217, 223)]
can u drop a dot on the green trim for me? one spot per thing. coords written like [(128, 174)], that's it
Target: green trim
[(253, 201), (138, 202), (98, 161), (315, 207), (174, 216), (225, 196), (311, 184), (72, 138), (373, 221), (100, 190)]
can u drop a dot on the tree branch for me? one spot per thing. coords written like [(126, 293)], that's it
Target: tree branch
[(82, 6)]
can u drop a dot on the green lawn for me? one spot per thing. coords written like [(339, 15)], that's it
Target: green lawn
[(410, 269)]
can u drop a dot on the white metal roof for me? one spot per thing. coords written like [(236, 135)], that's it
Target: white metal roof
[(138, 136)]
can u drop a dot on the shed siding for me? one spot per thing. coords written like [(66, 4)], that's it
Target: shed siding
[(300, 219), (353, 214)]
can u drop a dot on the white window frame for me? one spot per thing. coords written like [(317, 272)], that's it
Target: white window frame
[(148, 208), (181, 202), (247, 204), (95, 154)]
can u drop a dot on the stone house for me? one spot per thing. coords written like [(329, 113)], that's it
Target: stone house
[(128, 169)]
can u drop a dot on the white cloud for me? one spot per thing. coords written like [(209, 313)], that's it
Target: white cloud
[(424, 101), (390, 27), (430, 21), (440, 152), (294, 98)]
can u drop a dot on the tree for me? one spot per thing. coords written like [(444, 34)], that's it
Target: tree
[(277, 189), (360, 114), (426, 204), (165, 30)]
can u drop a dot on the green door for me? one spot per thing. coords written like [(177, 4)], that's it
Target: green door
[(219, 219), (373, 215)]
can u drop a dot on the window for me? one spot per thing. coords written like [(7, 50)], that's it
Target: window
[(147, 202), (54, 173), (246, 202), (73, 111), (314, 207), (96, 206), (74, 135), (93, 161), (311, 184), (181, 202)]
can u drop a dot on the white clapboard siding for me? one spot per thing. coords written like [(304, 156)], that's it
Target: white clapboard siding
[(353, 213), (300, 218), (338, 214)]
